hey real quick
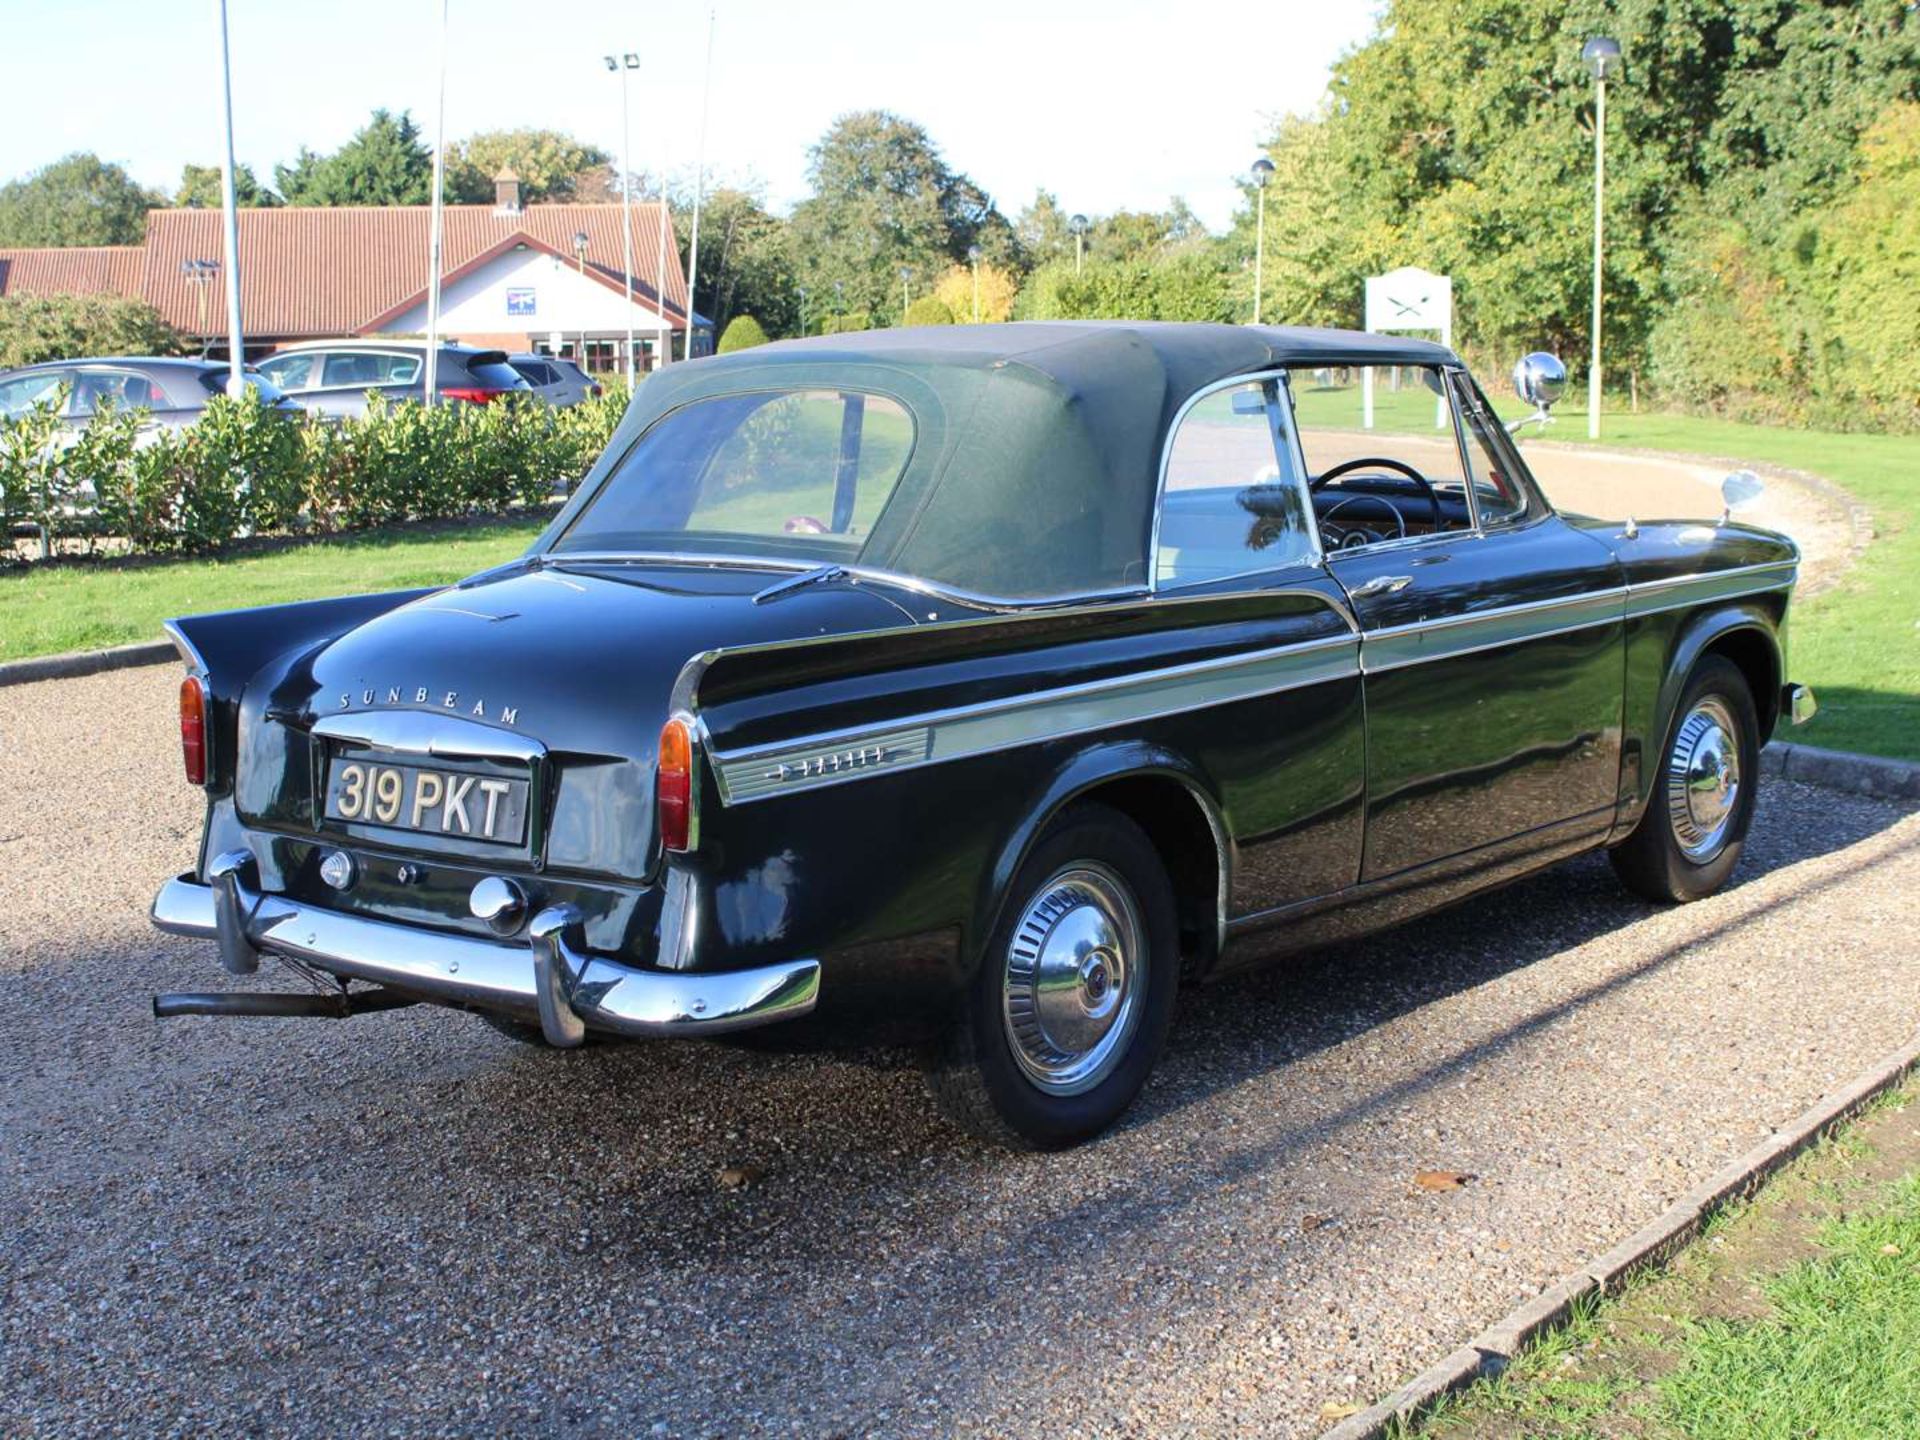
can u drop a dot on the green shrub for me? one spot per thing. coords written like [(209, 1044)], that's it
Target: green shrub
[(32, 480), (65, 327), (743, 332), (929, 310)]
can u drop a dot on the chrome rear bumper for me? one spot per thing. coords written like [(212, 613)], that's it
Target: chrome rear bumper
[(553, 975)]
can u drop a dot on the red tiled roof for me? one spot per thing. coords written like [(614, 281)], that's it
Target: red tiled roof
[(309, 270), (81, 270)]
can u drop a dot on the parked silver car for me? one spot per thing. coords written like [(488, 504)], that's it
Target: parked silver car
[(555, 379), (334, 377), (172, 392)]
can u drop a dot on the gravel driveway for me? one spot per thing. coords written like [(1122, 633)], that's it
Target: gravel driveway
[(406, 1224)]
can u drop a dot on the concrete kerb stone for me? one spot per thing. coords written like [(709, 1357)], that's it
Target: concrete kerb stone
[(1839, 770), (85, 662)]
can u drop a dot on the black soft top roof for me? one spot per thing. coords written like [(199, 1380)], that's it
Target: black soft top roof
[(1037, 445)]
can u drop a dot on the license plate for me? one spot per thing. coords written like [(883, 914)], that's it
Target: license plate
[(434, 802)]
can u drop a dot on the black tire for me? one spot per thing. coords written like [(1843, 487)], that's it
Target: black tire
[(1654, 860), (975, 1068)]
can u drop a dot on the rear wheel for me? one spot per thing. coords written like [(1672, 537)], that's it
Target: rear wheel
[(1695, 826), (1072, 999)]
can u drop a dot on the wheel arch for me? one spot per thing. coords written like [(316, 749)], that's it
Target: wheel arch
[(1746, 634), (1171, 801)]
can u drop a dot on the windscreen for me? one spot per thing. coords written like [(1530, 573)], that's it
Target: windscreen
[(800, 474)]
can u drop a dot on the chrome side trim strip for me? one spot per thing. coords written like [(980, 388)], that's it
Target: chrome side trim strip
[(1396, 647), (968, 730), (1678, 591), (835, 757)]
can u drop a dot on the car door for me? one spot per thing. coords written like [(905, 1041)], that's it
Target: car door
[(1492, 647)]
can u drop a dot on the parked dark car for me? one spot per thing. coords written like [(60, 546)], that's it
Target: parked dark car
[(556, 379), (171, 391), (334, 377), (1012, 677)]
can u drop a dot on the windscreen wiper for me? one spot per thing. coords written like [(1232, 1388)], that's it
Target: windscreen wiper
[(819, 575)]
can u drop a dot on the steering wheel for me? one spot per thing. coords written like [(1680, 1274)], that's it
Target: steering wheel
[(1381, 462)]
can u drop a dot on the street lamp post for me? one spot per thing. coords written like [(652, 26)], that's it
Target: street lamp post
[(580, 239), (906, 300), (622, 65), (803, 310), (1262, 173), (973, 259), (1602, 56), (1078, 225)]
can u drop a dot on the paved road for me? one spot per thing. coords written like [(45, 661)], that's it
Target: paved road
[(405, 1223)]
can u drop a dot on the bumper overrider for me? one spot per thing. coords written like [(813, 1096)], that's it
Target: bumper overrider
[(552, 974)]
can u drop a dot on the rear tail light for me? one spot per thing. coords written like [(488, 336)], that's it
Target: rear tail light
[(193, 728), (472, 394), (673, 787), (596, 390)]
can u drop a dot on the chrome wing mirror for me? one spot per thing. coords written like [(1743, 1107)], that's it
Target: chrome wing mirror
[(1739, 490), (1539, 379)]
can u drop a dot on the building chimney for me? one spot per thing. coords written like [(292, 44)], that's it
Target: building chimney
[(506, 193)]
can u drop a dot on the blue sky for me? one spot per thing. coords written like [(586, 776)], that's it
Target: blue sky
[(1111, 105)]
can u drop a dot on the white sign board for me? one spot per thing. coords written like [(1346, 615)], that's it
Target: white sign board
[(1407, 299)]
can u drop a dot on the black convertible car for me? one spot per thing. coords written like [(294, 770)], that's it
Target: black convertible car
[(1007, 676)]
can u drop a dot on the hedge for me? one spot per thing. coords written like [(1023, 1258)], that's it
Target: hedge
[(245, 469)]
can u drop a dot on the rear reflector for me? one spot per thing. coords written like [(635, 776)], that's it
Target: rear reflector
[(193, 728), (673, 786), (472, 394)]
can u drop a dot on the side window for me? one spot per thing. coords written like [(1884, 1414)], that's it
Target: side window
[(289, 372), (23, 392), (1396, 479), (1496, 490), (362, 368), (1233, 501), (118, 388)]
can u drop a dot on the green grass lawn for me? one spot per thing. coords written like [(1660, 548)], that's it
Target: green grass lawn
[(83, 607), (1795, 1315)]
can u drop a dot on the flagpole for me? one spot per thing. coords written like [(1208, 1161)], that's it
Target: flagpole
[(699, 183), (236, 346), (431, 392)]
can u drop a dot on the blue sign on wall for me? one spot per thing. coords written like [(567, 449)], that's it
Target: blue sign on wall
[(520, 302)]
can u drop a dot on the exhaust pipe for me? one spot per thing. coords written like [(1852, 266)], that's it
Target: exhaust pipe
[(258, 1003)]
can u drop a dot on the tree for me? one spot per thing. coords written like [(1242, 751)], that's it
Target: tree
[(746, 259), (551, 165), (885, 200), (997, 291), (200, 188), (77, 200), (743, 332), (385, 163), (1041, 230)]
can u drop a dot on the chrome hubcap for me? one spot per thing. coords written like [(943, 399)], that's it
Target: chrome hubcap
[(1703, 779), (1075, 971)]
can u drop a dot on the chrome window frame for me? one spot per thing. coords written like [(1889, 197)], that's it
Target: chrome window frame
[(1538, 507), (1317, 560)]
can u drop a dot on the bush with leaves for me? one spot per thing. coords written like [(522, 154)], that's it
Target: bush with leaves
[(34, 328), (929, 310), (32, 481), (743, 332), (99, 466)]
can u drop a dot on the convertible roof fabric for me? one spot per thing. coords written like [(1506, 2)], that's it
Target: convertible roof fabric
[(1037, 445)]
